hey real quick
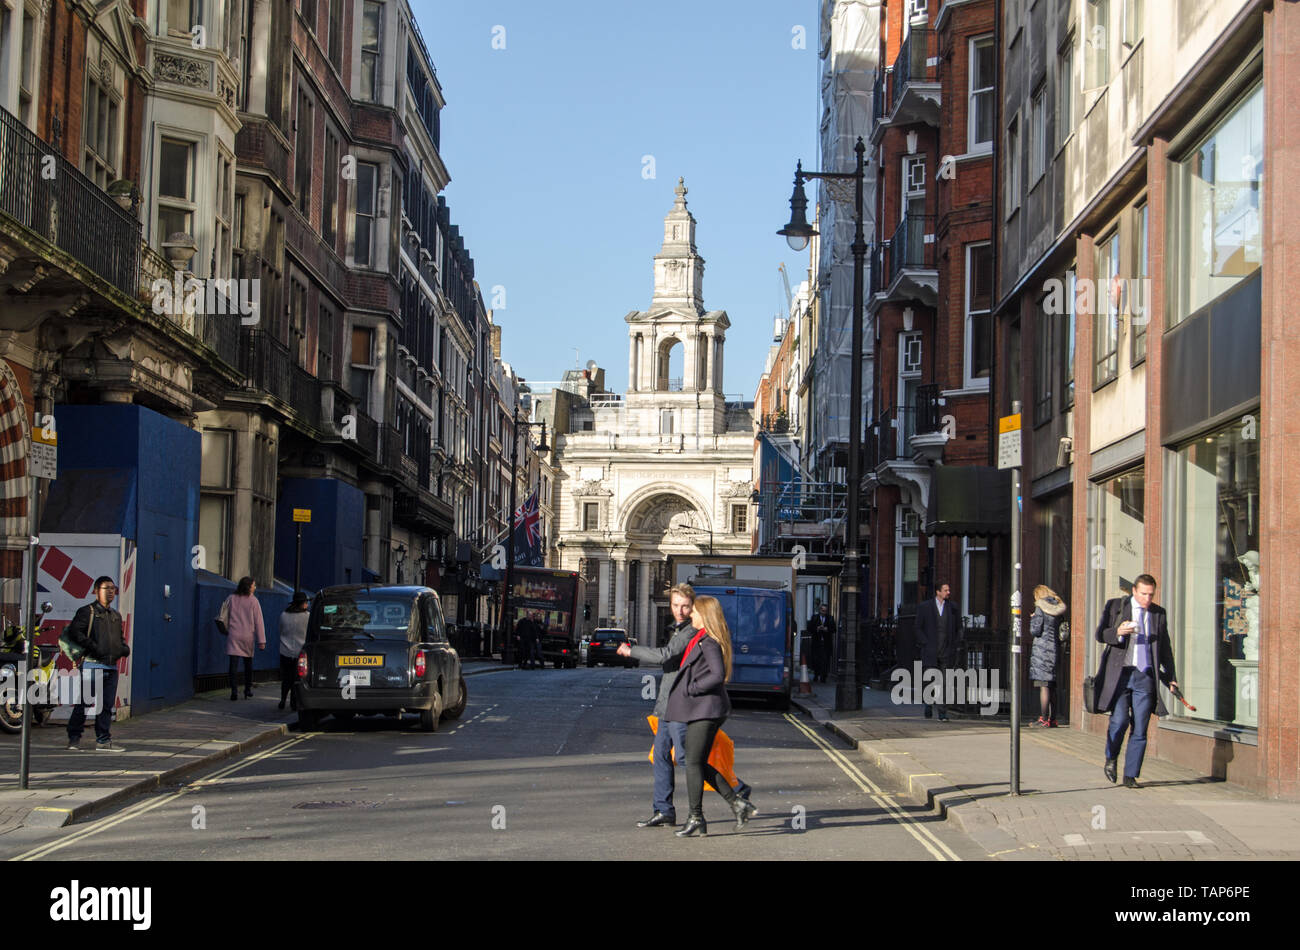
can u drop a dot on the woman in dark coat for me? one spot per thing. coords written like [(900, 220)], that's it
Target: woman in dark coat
[(1044, 627), (698, 697)]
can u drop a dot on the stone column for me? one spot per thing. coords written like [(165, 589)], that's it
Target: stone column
[(602, 593), (1279, 427), (633, 354), (619, 565)]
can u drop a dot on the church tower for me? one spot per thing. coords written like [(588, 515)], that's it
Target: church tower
[(692, 403)]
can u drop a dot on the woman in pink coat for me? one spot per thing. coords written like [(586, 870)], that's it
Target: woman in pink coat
[(243, 617)]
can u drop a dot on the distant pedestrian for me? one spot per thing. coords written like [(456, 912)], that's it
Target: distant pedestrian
[(526, 635), (293, 634), (539, 635), (938, 632), (823, 638), (96, 629), (242, 615), (1043, 627)]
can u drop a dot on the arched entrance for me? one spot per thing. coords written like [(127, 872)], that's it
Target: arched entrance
[(663, 524)]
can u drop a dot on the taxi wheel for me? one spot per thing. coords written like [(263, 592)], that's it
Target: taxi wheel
[(429, 717), (454, 712)]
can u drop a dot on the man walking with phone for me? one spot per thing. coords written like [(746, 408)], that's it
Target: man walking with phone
[(1138, 651)]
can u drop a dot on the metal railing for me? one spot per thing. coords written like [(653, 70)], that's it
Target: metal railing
[(265, 363), (908, 247), (799, 512), (304, 395), (67, 208), (367, 435), (878, 89), (775, 422), (912, 64)]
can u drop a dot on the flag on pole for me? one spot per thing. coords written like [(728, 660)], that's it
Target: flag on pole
[(528, 532)]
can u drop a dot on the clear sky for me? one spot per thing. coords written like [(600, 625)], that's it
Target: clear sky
[(545, 140)]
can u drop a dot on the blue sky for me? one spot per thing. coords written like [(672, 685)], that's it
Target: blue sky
[(544, 140)]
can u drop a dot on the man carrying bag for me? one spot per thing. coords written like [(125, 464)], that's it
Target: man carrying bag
[(96, 631)]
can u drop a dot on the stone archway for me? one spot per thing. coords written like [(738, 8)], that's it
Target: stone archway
[(659, 523), (14, 483)]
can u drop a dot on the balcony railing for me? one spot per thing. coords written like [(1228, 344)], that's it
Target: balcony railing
[(912, 64), (908, 247), (67, 209), (265, 362), (304, 395), (878, 95), (897, 425), (367, 435)]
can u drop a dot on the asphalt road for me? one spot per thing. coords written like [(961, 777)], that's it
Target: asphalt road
[(543, 765)]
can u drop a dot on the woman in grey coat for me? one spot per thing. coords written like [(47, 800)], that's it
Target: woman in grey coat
[(1044, 627)]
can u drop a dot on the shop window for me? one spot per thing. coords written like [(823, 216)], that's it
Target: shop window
[(1212, 571), (1116, 551)]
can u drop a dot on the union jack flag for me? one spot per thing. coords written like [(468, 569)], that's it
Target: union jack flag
[(529, 519)]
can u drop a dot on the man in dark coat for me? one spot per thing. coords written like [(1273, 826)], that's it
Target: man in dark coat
[(527, 632), (823, 636), (96, 630), (937, 633), (1138, 650)]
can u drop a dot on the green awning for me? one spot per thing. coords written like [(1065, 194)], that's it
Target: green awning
[(969, 500)]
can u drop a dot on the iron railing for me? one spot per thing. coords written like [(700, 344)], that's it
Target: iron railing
[(66, 208), (265, 363), (908, 247), (367, 435), (912, 64), (878, 89), (304, 396)]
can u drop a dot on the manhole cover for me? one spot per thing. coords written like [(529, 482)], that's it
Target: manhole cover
[(312, 805)]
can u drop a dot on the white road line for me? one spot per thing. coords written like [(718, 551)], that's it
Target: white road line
[(927, 838), (148, 805)]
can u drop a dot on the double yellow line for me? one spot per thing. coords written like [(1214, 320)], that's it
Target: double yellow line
[(140, 808), (927, 838)]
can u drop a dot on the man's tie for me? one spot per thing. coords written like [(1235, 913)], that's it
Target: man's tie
[(1143, 658)]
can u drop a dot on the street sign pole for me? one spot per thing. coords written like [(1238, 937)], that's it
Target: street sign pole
[(42, 458), (301, 516), (1009, 457)]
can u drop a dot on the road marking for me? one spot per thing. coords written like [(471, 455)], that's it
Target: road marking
[(927, 838), (139, 808)]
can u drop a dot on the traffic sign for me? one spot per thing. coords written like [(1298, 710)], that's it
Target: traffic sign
[(1009, 441), (302, 514), (44, 457)]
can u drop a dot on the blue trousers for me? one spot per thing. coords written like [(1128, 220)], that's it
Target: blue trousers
[(1135, 700), (107, 699), (670, 734)]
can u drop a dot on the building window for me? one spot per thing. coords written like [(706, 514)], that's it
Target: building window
[(1212, 572), (907, 559), (1116, 552), (1096, 44), (1066, 91), (309, 14), (176, 204), (975, 578), (1067, 341), (325, 345), (1038, 136), (362, 366), (217, 447), (1139, 301), (1132, 23), (27, 75), (1044, 365), (981, 107), (302, 153), (740, 519), (979, 322), (101, 135), (371, 25), (364, 224), (225, 214), (590, 516), (184, 15), (1105, 321), (666, 421), (298, 322), (1012, 176), (336, 33), (1214, 210), (330, 206)]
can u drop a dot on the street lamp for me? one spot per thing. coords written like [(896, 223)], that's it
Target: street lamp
[(507, 620), (797, 234)]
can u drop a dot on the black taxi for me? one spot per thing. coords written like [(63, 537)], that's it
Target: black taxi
[(372, 650)]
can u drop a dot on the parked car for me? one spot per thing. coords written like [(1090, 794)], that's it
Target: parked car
[(604, 644), (373, 650)]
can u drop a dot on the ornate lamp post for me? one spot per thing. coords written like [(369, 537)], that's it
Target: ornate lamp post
[(797, 233)]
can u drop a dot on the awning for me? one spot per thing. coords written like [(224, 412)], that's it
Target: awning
[(969, 500)]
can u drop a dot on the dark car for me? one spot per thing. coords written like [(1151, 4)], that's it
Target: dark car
[(372, 650), (603, 648)]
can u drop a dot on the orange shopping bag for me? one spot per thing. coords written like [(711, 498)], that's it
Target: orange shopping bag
[(722, 756)]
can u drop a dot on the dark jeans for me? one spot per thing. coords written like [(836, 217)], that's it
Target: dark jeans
[(107, 698), (248, 672), (1135, 700), (288, 675), (699, 742), (670, 734)]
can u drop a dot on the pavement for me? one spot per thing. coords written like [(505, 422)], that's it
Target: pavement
[(1067, 809), (161, 749)]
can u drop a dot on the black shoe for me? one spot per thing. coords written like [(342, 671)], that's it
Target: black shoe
[(929, 711), (234, 695), (1131, 782), (1109, 769), (248, 694), (743, 811), (657, 819), (282, 704), (943, 717), (696, 826)]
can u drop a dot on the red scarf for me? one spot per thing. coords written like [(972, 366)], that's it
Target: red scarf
[(690, 646)]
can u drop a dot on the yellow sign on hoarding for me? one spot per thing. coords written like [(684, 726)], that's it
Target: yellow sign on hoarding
[(302, 514)]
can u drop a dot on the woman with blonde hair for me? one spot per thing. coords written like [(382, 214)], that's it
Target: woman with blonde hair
[(698, 697), (1044, 627)]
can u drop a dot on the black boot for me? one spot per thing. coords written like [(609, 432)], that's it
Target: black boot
[(743, 811), (695, 827)]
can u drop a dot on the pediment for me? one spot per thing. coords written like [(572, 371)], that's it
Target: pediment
[(112, 17)]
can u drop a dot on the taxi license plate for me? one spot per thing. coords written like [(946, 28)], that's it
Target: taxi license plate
[(354, 677), (361, 660)]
